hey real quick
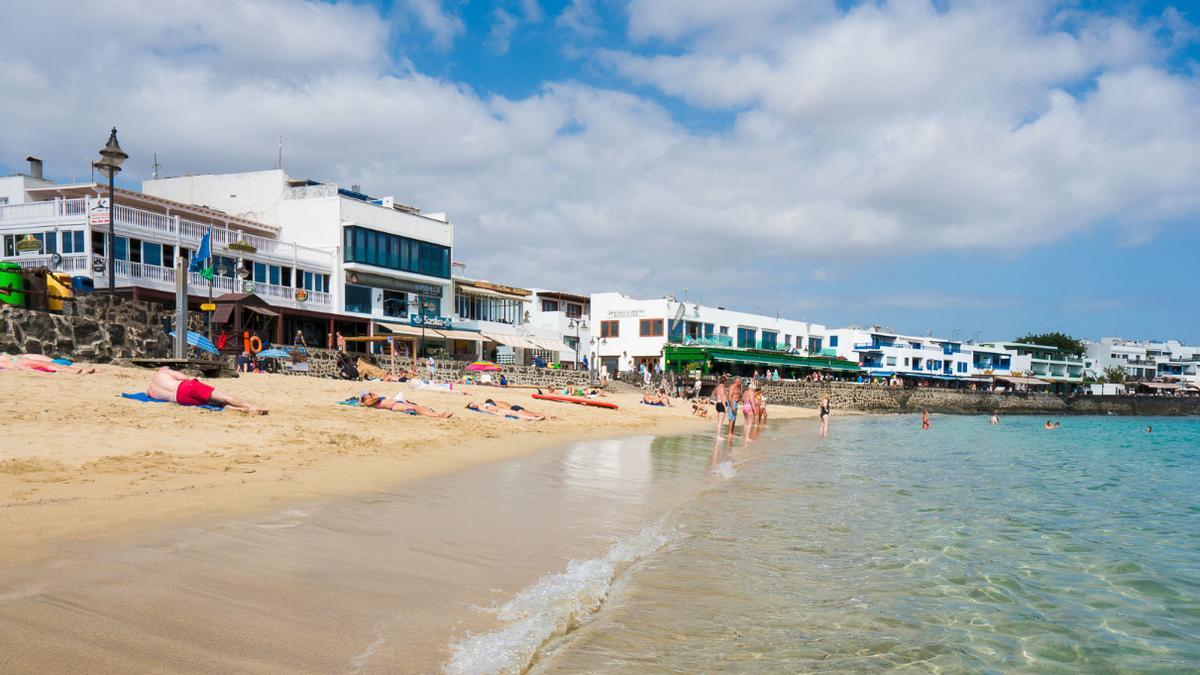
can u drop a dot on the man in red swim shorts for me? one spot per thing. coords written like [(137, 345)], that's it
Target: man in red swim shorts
[(174, 386)]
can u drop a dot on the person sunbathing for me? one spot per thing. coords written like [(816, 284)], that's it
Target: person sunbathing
[(656, 399), (39, 363), (174, 386), (505, 406), (700, 407), (512, 413), (373, 400)]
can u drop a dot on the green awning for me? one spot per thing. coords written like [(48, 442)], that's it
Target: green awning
[(693, 354)]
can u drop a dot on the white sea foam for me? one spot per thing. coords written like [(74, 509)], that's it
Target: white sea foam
[(724, 470), (552, 607)]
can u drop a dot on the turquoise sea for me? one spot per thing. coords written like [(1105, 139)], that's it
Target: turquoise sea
[(967, 547)]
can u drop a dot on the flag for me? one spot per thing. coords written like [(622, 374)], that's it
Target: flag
[(202, 261)]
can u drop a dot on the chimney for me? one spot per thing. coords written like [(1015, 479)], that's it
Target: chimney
[(35, 166), (355, 187)]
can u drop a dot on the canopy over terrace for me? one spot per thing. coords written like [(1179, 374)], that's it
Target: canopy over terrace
[(709, 358), (412, 333), (249, 313), (1021, 382)]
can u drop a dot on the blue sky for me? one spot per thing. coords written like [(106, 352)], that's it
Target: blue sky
[(976, 168)]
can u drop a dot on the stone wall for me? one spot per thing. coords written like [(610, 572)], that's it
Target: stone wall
[(94, 328), (323, 363), (876, 398)]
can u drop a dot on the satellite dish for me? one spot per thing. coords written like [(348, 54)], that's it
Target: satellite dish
[(679, 311)]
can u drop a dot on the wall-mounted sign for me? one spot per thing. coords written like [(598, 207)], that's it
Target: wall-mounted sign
[(430, 321), (499, 288), (242, 246), (208, 307), (301, 295), (99, 213), (625, 313), (99, 264), (29, 245), (248, 287)]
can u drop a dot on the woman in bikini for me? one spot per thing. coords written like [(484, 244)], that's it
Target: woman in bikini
[(373, 400), (824, 413)]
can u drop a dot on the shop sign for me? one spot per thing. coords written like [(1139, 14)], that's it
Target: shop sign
[(430, 321), (208, 307), (248, 287), (625, 313), (99, 214), (242, 247), (29, 245), (301, 295), (99, 264)]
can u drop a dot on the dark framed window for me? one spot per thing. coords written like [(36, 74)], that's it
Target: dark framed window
[(392, 251), (650, 328), (610, 329), (358, 299)]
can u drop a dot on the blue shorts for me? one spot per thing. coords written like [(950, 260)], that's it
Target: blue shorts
[(732, 413)]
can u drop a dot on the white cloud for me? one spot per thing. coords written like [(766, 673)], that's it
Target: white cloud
[(580, 18), (887, 131), (443, 26), (500, 35)]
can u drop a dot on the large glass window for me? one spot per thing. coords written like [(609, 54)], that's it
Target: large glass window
[(152, 253), (610, 329), (72, 241), (814, 345), (395, 252), (358, 299), (395, 303), (746, 337), (121, 248), (260, 273), (769, 339)]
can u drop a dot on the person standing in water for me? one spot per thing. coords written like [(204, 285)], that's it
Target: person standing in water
[(995, 418), (925, 419), (721, 397), (823, 411), (733, 401)]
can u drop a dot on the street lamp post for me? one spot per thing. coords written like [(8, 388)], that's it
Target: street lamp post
[(111, 157), (577, 324)]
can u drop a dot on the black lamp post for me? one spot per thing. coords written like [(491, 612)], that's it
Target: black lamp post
[(577, 324), (111, 157)]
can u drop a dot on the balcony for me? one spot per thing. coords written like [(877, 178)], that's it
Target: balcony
[(139, 223), (163, 279)]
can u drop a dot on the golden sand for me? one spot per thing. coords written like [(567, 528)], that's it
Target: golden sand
[(79, 462)]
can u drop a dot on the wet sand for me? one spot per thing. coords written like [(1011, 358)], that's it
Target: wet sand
[(383, 582)]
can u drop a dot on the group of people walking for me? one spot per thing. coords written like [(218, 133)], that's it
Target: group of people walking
[(732, 397)]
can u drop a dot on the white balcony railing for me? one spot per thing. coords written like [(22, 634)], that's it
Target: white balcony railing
[(72, 264), (163, 279), (132, 220)]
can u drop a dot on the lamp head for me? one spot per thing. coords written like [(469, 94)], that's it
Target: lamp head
[(112, 152)]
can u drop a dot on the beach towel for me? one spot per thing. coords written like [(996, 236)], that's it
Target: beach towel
[(657, 405), (62, 362), (353, 401), (143, 397), (509, 417)]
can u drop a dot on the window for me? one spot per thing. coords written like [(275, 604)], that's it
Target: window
[(395, 303), (98, 247), (650, 328), (274, 274), (891, 361), (549, 306), (121, 248), (769, 339), (358, 299), (285, 276), (962, 367), (675, 331), (168, 255), (152, 253), (73, 241), (746, 337), (260, 273), (906, 362), (708, 330), (724, 330), (814, 345), (574, 311), (610, 329), (833, 340), (395, 252), (3, 201)]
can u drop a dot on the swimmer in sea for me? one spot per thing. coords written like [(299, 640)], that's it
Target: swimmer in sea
[(995, 419), (925, 419)]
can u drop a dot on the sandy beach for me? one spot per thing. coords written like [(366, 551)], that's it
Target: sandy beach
[(80, 463)]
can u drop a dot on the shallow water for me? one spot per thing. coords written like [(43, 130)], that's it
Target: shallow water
[(967, 547), (963, 548)]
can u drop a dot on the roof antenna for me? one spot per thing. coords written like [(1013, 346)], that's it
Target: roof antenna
[(155, 166), (279, 156)]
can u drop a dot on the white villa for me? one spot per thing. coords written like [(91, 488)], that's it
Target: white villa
[(629, 332), (882, 353)]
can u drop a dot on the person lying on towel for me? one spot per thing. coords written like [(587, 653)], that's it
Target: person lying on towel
[(506, 407), (511, 413), (43, 364), (373, 400), (656, 399), (174, 386)]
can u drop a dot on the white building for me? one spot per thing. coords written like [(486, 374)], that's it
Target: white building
[(883, 353), (1044, 362), (392, 263), (566, 318), (65, 229), (1148, 360), (629, 332)]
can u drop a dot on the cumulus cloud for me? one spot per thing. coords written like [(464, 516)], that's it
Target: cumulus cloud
[(579, 17), (443, 26), (890, 129)]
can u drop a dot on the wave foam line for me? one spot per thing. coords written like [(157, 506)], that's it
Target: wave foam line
[(551, 607)]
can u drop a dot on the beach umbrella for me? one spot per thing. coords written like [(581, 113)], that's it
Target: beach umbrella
[(274, 354), (200, 342), (483, 367)]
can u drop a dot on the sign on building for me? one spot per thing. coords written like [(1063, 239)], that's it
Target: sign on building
[(100, 213)]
